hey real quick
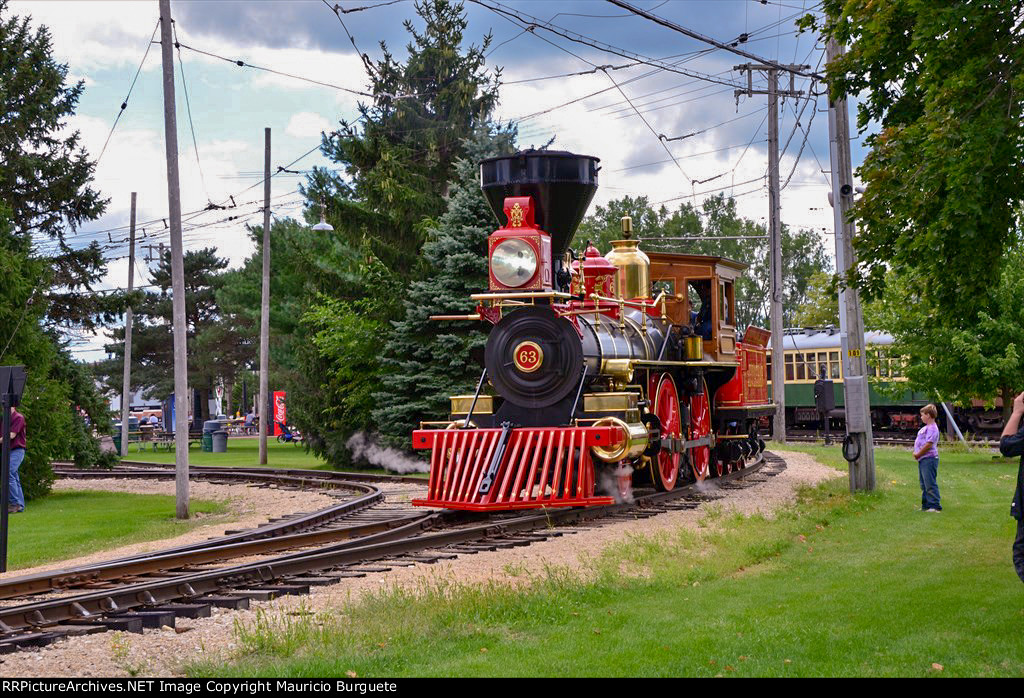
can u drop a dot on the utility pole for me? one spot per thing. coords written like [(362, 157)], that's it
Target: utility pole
[(177, 268), (858, 448), (266, 415), (126, 390), (774, 225), (150, 256)]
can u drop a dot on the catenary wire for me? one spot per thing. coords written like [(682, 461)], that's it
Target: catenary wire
[(124, 104)]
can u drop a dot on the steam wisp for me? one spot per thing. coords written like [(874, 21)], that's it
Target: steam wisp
[(608, 483), (363, 447)]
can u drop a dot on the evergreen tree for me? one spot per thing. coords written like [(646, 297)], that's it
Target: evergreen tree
[(210, 347), (55, 384), (46, 175), (398, 156), (430, 361)]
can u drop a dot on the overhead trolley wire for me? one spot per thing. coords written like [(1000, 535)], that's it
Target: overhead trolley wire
[(188, 109), (243, 64), (651, 129), (600, 45), (124, 104), (708, 40)]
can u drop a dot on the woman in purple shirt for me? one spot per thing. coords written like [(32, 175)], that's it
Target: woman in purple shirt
[(927, 454), (16, 499)]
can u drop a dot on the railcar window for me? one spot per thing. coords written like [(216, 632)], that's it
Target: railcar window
[(789, 367), (801, 373), (880, 363), (896, 366), (833, 364)]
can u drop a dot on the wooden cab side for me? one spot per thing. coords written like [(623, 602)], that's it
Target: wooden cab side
[(700, 292)]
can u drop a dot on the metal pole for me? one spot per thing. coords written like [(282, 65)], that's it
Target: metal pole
[(177, 269), (126, 390), (267, 420), (952, 422), (5, 472), (775, 235), (851, 320), (774, 226)]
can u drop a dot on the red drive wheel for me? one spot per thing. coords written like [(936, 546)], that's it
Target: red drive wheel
[(700, 426), (719, 466), (666, 407)]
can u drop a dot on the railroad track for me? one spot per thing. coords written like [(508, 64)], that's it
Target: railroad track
[(152, 590), (880, 439)]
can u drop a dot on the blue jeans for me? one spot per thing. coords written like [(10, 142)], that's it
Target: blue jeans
[(928, 470), (1018, 550), (17, 497)]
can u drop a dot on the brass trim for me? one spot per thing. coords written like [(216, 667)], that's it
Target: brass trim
[(474, 316), (609, 402), (694, 348), (619, 369), (518, 294), (643, 305), (528, 345), (692, 364), (461, 403), (633, 444)]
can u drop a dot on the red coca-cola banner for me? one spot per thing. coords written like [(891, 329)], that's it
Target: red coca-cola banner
[(280, 412)]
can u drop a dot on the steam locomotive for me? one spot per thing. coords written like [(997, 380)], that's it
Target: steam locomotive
[(600, 372)]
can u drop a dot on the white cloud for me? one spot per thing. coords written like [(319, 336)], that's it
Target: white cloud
[(96, 35), (307, 125)]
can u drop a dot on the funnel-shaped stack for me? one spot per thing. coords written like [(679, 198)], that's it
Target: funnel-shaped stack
[(562, 185)]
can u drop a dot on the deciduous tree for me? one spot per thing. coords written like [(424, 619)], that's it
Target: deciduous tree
[(939, 88)]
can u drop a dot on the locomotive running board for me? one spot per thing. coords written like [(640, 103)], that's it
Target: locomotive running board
[(512, 468)]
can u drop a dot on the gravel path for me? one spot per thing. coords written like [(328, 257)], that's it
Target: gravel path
[(163, 652)]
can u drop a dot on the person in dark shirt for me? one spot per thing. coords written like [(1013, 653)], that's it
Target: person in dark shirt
[(16, 498), (1012, 444)]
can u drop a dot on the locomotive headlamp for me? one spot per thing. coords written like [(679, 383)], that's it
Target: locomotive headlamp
[(513, 262)]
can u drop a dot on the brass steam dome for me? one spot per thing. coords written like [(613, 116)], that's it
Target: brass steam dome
[(633, 279)]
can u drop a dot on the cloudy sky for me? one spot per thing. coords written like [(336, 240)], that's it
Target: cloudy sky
[(541, 48)]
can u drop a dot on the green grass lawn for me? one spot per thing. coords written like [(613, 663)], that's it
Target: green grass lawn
[(69, 524), (244, 451), (837, 585)]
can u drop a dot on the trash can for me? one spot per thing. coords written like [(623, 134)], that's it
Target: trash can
[(117, 441), (220, 441), (209, 427)]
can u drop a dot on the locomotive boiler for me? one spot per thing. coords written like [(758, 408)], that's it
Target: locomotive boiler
[(601, 372)]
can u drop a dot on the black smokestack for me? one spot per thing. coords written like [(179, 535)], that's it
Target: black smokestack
[(562, 185)]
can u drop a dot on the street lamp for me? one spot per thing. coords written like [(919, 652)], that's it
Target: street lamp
[(323, 225)]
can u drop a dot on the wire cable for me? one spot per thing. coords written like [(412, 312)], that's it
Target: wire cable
[(732, 48), (188, 109), (243, 64), (650, 128), (124, 104), (575, 37)]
